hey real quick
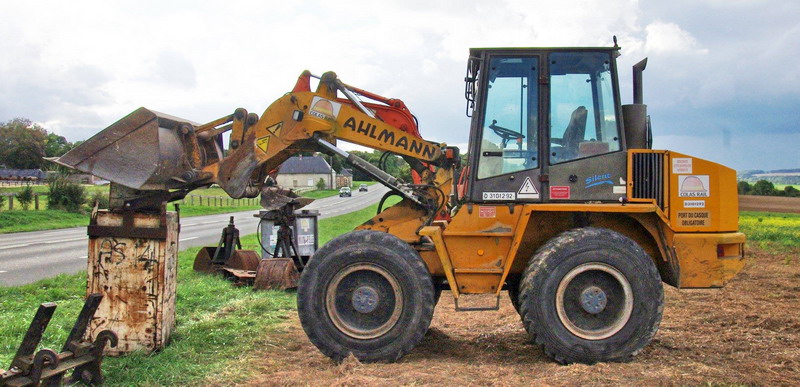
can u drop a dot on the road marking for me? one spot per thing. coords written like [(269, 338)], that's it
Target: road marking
[(3, 271), (187, 239), (64, 240), (14, 246), (84, 257)]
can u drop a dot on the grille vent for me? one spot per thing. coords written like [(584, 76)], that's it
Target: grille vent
[(648, 177)]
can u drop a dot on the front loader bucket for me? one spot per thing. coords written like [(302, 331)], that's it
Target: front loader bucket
[(277, 274), (144, 151)]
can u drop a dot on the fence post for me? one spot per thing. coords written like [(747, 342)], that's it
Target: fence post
[(10, 202), (36, 202)]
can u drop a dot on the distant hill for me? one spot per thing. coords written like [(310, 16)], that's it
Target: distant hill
[(778, 176)]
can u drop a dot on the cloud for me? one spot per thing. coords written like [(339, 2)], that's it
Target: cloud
[(79, 66), (173, 69), (665, 38)]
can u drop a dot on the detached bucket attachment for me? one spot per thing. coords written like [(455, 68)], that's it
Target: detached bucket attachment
[(145, 150), (241, 267), (276, 273), (243, 260), (203, 261)]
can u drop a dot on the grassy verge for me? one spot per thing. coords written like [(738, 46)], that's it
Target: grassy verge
[(218, 325), (770, 229)]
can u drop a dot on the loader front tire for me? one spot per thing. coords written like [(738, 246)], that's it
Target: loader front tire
[(366, 293), (591, 295)]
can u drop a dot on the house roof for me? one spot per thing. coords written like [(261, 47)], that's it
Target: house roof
[(35, 173), (305, 164), (345, 172)]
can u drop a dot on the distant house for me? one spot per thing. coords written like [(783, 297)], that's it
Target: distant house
[(22, 174), (344, 178), (305, 171)]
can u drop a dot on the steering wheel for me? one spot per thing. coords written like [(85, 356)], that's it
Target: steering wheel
[(505, 134)]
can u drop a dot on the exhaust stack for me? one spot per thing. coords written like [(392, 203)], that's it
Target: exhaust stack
[(638, 68), (634, 116)]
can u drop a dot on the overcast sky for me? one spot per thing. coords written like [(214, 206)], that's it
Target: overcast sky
[(722, 81)]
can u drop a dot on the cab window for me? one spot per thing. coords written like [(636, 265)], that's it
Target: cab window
[(509, 140), (583, 117)]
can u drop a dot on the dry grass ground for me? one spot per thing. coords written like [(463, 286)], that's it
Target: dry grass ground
[(747, 333)]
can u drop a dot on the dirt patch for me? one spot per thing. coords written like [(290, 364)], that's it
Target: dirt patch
[(768, 203), (746, 333)]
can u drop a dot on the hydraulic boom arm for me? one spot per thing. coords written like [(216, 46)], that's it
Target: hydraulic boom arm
[(151, 153)]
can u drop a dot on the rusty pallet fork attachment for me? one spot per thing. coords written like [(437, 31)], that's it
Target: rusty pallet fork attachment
[(48, 367)]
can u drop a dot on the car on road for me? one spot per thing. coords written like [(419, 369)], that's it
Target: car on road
[(362, 188), (345, 191)]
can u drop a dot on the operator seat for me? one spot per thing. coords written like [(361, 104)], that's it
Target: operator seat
[(575, 131)]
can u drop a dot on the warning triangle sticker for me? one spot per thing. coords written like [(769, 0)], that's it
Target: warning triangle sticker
[(528, 190), (263, 143), (276, 129)]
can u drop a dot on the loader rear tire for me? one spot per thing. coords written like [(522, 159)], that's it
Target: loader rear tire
[(591, 295), (366, 293)]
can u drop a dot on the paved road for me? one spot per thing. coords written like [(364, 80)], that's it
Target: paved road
[(30, 256)]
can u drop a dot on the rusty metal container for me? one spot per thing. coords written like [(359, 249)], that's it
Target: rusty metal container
[(133, 263), (145, 150)]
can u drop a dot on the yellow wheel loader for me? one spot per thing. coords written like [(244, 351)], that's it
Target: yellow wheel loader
[(562, 204)]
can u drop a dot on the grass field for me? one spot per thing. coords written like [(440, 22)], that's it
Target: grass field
[(771, 229), (218, 325)]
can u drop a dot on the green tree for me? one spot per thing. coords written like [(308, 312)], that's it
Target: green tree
[(764, 188), (55, 145), (66, 195), (791, 191), (744, 188), (321, 183), (25, 197), (22, 144)]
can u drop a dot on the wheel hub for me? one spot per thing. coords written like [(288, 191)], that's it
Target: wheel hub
[(593, 300), (365, 299)]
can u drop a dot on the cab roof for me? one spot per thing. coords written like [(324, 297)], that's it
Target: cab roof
[(479, 51)]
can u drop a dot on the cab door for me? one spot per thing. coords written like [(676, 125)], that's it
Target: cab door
[(504, 146)]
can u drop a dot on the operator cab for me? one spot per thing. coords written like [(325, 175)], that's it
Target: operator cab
[(546, 125)]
